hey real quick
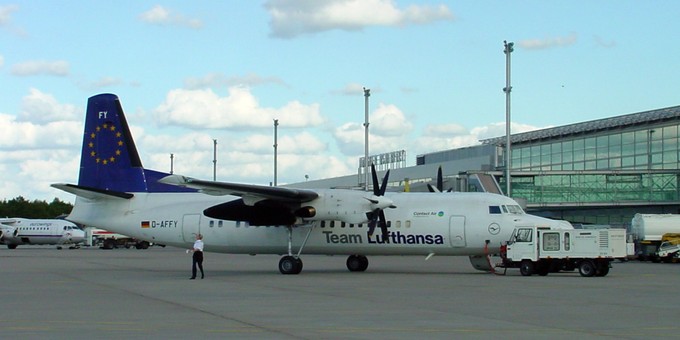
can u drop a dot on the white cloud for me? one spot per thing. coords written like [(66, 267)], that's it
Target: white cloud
[(6, 13), (41, 67), (160, 15), (292, 18), (539, 44), (388, 131), (16, 135), (38, 107), (248, 159), (105, 82), (220, 80), (2, 60), (205, 109), (389, 121)]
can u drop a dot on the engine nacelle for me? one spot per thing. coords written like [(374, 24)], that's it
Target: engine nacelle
[(7, 232), (349, 206)]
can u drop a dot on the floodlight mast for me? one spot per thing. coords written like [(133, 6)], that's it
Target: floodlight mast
[(367, 93), (276, 145), (507, 89), (214, 160)]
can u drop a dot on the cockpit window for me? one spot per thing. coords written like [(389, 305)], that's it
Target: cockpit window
[(494, 209), (515, 209)]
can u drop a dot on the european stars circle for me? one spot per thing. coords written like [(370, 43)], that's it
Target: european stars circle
[(106, 130)]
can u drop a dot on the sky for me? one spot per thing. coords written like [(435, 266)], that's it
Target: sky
[(189, 73)]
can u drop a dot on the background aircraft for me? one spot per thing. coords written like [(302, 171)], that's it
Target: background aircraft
[(116, 193), (18, 231)]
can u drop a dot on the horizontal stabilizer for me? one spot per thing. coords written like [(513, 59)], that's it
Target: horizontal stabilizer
[(91, 193)]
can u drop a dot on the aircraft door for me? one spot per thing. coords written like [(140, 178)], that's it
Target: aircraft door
[(457, 231), (190, 227)]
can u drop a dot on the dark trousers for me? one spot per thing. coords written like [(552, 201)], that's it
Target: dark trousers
[(198, 260)]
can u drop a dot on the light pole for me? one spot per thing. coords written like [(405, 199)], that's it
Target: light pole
[(214, 160), (367, 93), (508, 150), (276, 145)]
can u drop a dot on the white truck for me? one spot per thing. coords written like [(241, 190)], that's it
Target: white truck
[(109, 240), (540, 250), (650, 231)]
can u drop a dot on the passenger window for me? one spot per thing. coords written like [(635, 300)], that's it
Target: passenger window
[(220, 224), (212, 224), (494, 209), (566, 241)]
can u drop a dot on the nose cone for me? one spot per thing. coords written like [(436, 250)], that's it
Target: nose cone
[(77, 236)]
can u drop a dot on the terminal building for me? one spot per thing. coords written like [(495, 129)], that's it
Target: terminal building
[(597, 172)]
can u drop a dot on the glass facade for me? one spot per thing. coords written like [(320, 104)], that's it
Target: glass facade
[(648, 148), (602, 177)]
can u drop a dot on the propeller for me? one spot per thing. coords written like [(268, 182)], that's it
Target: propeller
[(376, 217), (440, 183)]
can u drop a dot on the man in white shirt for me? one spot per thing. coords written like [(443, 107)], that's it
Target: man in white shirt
[(197, 257)]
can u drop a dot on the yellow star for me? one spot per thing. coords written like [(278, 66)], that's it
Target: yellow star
[(113, 128), (104, 162), (117, 152), (120, 143), (106, 126), (118, 134), (112, 159), (93, 153), (97, 160), (91, 145), (92, 135), (98, 128)]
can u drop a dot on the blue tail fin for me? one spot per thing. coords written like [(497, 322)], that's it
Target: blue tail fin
[(109, 159)]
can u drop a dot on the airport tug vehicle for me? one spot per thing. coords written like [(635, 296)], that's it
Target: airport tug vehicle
[(541, 250)]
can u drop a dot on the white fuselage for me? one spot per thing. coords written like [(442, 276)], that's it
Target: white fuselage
[(41, 232), (421, 224)]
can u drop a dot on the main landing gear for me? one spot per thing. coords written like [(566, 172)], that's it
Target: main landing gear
[(292, 264)]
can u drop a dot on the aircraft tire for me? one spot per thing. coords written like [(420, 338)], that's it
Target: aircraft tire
[(357, 263), (12, 246), (290, 265)]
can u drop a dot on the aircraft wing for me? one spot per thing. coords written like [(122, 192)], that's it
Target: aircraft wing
[(7, 221), (250, 193)]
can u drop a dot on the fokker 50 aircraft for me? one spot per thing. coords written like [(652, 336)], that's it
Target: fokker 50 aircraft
[(116, 193), (18, 231)]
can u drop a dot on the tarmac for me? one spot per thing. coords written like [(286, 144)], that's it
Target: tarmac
[(134, 294)]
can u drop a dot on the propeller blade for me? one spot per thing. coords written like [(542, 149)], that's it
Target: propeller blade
[(383, 187), (440, 179), (375, 180), (383, 225), (373, 220), (431, 188)]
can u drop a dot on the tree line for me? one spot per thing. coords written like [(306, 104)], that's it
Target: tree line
[(21, 207)]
